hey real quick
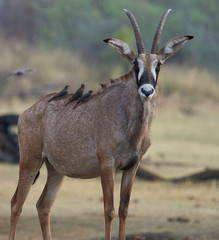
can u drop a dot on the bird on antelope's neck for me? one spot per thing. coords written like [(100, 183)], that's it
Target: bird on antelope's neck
[(83, 98), (102, 85), (76, 95), (60, 94), (19, 72)]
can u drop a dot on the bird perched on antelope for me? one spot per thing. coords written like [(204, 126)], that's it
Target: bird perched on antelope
[(19, 72), (83, 98), (61, 94), (103, 86), (76, 95)]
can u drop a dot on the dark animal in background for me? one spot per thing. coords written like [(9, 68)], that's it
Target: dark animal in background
[(19, 72), (9, 150), (83, 98), (60, 94), (76, 95)]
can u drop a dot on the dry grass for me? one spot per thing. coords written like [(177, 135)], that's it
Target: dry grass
[(55, 68), (193, 83), (185, 142), (52, 64)]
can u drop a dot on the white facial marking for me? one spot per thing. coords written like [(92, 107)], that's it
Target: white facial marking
[(141, 68), (153, 68), (147, 88)]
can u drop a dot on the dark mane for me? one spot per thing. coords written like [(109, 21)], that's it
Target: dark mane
[(115, 81)]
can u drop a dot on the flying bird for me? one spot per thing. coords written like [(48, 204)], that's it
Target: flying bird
[(83, 98), (19, 72), (60, 94), (76, 95)]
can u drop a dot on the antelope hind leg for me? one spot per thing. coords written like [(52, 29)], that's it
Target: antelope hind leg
[(26, 178)]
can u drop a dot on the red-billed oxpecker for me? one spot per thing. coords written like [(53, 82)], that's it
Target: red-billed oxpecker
[(83, 98), (61, 94), (76, 95)]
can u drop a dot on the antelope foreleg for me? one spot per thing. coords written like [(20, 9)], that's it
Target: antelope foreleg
[(107, 181), (125, 193)]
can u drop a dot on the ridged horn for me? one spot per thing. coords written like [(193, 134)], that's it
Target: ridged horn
[(156, 41), (138, 38)]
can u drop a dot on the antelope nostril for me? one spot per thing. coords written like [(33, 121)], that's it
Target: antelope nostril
[(147, 93)]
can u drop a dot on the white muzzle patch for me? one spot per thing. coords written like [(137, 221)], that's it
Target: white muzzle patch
[(146, 90)]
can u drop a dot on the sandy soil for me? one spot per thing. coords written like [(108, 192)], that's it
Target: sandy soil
[(158, 210)]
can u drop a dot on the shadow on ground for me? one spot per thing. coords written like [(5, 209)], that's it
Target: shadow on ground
[(159, 236)]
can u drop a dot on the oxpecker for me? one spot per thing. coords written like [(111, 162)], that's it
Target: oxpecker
[(60, 94), (83, 98), (76, 95)]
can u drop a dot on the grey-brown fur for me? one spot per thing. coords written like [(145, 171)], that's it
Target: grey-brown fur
[(118, 112)]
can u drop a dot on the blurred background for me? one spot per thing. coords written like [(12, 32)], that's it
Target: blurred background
[(62, 41)]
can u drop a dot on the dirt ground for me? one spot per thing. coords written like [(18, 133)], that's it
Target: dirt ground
[(158, 210)]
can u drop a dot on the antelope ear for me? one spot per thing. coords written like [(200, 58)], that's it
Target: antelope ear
[(172, 46), (122, 48)]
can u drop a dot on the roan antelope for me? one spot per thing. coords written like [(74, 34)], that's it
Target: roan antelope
[(109, 132)]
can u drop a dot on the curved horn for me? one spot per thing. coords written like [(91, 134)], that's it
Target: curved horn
[(138, 38), (156, 41)]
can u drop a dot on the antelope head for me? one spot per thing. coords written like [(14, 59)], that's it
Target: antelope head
[(147, 65)]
